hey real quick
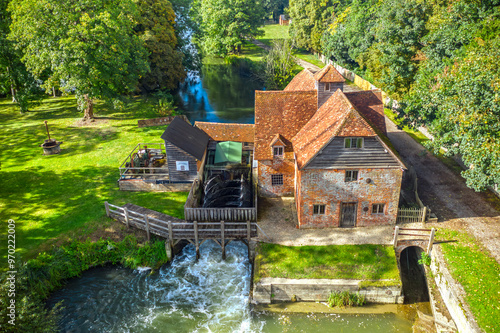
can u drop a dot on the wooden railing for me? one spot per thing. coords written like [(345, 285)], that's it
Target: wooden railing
[(414, 234), (411, 215), (150, 171)]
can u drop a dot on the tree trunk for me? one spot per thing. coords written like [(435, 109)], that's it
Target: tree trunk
[(54, 92), (89, 108), (13, 91)]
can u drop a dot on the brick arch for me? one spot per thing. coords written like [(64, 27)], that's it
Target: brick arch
[(406, 243)]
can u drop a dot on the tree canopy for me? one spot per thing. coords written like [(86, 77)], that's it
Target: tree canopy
[(225, 24), (88, 45)]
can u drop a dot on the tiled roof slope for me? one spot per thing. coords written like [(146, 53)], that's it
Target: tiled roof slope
[(228, 132), (281, 112), (369, 104), (304, 81), (336, 117), (328, 74)]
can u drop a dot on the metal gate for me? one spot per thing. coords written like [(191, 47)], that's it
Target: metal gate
[(348, 217)]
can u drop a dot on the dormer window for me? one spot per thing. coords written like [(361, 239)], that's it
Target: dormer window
[(278, 151), (353, 143), (327, 86)]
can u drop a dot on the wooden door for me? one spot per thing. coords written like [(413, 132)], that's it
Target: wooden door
[(348, 214)]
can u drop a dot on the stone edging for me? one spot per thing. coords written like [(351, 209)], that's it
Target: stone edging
[(269, 290)]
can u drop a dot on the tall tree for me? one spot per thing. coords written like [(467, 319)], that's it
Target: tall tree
[(274, 8), (155, 27), (279, 64), (87, 44), (225, 24), (14, 77)]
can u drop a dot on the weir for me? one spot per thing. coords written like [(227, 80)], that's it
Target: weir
[(174, 230)]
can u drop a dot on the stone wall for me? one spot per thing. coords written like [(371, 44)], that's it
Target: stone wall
[(162, 121), (267, 168), (269, 290), (452, 294), (152, 186), (328, 187)]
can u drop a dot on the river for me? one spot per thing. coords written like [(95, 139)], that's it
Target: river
[(208, 295)]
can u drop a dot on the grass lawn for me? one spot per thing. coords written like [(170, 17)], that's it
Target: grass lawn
[(52, 195), (360, 262), (477, 272), (274, 31), (415, 134), (309, 57)]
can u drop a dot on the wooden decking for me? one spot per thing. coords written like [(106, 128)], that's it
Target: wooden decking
[(174, 229)]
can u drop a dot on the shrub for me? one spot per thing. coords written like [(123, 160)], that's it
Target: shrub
[(345, 298)]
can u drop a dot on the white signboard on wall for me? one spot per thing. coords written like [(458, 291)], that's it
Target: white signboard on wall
[(182, 165)]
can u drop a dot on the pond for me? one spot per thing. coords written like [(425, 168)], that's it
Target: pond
[(220, 93), (208, 295)]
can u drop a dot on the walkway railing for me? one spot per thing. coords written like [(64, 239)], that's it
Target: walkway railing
[(194, 232)]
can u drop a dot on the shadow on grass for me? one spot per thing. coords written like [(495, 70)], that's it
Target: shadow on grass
[(46, 203)]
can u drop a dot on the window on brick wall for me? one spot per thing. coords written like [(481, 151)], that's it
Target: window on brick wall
[(378, 208), (276, 180), (351, 175), (278, 151), (319, 209), (327, 86), (353, 143)]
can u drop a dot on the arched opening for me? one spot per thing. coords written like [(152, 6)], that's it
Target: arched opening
[(413, 276)]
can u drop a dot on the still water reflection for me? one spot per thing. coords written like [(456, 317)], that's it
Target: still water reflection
[(208, 295), (220, 93)]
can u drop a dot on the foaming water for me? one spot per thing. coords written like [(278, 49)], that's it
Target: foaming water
[(208, 295)]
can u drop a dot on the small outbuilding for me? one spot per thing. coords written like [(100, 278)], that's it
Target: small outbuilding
[(186, 148)]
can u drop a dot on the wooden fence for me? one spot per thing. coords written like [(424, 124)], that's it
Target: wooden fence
[(194, 232), (411, 215), (194, 213)]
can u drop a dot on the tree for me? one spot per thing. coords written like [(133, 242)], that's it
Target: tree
[(14, 77), (274, 8), (225, 24), (310, 19), (462, 111), (279, 64), (155, 26), (87, 44)]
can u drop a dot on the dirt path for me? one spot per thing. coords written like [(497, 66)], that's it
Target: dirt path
[(446, 193)]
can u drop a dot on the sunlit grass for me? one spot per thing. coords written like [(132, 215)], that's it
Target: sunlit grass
[(51, 195), (477, 272), (272, 32), (363, 262)]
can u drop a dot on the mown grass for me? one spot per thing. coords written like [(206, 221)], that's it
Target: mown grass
[(51, 195), (415, 134), (477, 272), (360, 262), (309, 57)]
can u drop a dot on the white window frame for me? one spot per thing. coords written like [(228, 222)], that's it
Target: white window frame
[(350, 178), (278, 148), (358, 142), (319, 209), (380, 208)]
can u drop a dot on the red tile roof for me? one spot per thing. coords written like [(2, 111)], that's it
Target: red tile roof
[(369, 104), (281, 112), (336, 117), (228, 132), (304, 81), (329, 74)]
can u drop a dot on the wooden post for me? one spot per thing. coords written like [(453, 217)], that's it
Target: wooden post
[(196, 240), (431, 241), (126, 217), (222, 240), (170, 235), (107, 208), (249, 237), (168, 250), (424, 214), (146, 219), (396, 232)]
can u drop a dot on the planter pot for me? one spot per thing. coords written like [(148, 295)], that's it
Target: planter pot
[(51, 147)]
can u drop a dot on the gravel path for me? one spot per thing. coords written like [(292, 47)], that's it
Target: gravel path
[(278, 220), (446, 193)]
